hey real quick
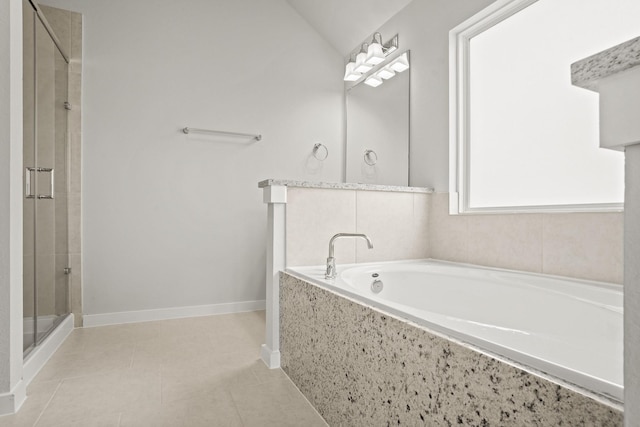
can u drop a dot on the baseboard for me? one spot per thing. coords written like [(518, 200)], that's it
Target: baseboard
[(43, 352), (12, 401), (104, 319), (270, 357)]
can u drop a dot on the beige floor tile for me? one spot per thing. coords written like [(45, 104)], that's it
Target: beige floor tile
[(104, 420), (274, 404), (116, 357), (203, 371), (73, 344), (209, 410), (101, 337), (38, 396), (264, 374), (102, 394), (188, 381)]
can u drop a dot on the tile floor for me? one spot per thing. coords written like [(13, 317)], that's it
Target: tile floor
[(202, 371)]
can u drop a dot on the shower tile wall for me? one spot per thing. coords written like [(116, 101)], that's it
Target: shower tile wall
[(68, 27), (396, 222), (581, 245)]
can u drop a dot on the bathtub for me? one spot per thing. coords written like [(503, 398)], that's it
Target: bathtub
[(570, 330)]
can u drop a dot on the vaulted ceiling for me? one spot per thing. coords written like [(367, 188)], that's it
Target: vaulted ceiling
[(346, 23)]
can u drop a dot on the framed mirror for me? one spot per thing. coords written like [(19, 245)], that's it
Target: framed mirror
[(377, 122)]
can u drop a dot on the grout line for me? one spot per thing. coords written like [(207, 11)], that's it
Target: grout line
[(235, 406), (542, 269), (133, 356), (161, 378), (48, 402), (120, 419)]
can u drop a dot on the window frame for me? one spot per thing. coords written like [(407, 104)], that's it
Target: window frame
[(459, 114)]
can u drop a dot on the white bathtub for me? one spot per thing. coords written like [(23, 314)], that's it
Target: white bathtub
[(568, 329)]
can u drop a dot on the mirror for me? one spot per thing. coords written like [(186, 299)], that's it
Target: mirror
[(377, 147)]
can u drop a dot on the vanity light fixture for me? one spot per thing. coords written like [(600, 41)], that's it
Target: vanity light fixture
[(400, 64), (361, 65), (373, 81), (350, 74), (367, 56), (375, 55), (386, 73)]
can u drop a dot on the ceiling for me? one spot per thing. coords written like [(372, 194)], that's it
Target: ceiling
[(347, 23)]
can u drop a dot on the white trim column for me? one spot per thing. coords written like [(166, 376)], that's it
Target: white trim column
[(276, 198), (632, 286), (12, 388), (615, 75)]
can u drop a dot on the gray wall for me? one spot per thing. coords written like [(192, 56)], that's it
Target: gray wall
[(424, 27), (171, 220)]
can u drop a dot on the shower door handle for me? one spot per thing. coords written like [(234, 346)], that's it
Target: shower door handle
[(27, 183), (51, 184)]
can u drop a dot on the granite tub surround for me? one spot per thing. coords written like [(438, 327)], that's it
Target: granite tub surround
[(587, 72), (615, 75), (359, 366), (342, 186)]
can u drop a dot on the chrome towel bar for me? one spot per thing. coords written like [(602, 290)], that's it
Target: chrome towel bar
[(188, 130)]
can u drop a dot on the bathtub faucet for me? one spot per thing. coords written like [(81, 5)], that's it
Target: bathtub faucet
[(331, 261)]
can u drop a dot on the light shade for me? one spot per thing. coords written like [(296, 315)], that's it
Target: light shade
[(375, 54), (361, 63), (350, 74), (400, 64), (373, 81), (386, 73)]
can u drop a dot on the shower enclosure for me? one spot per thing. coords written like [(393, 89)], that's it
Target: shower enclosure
[(46, 247)]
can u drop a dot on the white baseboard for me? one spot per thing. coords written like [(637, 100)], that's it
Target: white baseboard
[(270, 357), (12, 401), (90, 320), (43, 352)]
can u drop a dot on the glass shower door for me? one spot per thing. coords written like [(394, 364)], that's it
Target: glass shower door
[(46, 260), (29, 161)]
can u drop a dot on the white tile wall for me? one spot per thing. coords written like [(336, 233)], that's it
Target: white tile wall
[(313, 216), (586, 245), (396, 222), (508, 241), (581, 245), (416, 225), (390, 221)]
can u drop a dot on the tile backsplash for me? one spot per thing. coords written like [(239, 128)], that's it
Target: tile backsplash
[(396, 222), (580, 245), (405, 225)]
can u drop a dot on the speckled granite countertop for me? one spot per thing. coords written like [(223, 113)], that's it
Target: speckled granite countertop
[(587, 72), (343, 186)]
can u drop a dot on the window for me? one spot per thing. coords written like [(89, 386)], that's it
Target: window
[(522, 137)]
